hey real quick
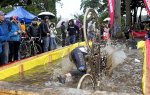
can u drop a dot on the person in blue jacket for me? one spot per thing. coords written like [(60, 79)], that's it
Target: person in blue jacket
[(77, 56), (5, 28), (15, 39)]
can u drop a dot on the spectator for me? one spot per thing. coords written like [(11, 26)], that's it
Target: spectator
[(23, 27), (90, 30), (127, 32), (53, 32), (63, 34), (5, 28), (82, 33), (106, 34), (14, 41), (33, 29), (78, 35), (45, 33), (72, 32)]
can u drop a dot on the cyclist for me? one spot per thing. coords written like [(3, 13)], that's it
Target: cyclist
[(78, 57)]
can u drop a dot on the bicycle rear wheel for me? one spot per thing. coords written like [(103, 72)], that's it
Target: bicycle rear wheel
[(37, 49), (91, 28), (86, 82)]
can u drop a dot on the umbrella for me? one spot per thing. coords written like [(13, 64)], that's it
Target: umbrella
[(107, 19), (43, 14), (60, 22)]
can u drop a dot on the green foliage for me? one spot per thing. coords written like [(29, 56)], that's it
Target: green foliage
[(79, 17), (33, 9), (6, 10), (89, 4), (99, 5), (103, 15)]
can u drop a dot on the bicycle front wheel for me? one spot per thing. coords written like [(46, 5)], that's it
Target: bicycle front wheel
[(24, 50), (91, 28), (86, 82)]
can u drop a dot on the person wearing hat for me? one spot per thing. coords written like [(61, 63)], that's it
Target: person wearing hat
[(45, 33), (72, 32), (33, 29), (14, 41), (5, 29)]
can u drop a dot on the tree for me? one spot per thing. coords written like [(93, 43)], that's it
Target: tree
[(128, 12), (79, 17), (117, 18), (34, 6), (89, 4)]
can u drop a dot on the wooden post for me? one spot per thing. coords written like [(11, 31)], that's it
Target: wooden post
[(21, 68), (50, 59)]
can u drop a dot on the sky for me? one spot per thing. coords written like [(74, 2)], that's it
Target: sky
[(71, 7), (68, 9)]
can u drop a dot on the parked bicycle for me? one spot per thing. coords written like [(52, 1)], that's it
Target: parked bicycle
[(29, 47)]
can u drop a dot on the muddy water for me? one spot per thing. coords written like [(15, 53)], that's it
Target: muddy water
[(43, 76), (126, 77)]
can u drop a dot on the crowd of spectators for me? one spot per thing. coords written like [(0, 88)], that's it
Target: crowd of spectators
[(13, 30)]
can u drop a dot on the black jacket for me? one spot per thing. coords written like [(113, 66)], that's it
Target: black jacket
[(43, 28), (33, 31)]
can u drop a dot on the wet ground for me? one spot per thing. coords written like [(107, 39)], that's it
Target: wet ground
[(126, 77)]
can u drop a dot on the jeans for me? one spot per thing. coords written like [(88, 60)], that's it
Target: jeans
[(4, 56), (53, 43), (72, 39), (45, 43), (79, 60)]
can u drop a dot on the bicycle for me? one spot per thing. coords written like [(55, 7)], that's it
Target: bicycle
[(96, 58), (29, 48), (59, 40)]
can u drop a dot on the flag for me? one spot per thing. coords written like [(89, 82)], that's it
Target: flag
[(146, 66), (147, 4), (111, 12)]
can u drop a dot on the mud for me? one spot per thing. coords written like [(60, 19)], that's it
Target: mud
[(126, 77)]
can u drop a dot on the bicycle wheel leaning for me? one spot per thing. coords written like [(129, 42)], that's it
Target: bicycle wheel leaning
[(86, 82), (91, 28)]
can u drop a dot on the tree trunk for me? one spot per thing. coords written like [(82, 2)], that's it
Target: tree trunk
[(46, 4), (128, 13), (117, 19), (135, 15)]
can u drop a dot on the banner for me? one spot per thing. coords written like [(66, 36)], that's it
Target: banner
[(145, 45), (111, 12), (147, 4), (147, 81)]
